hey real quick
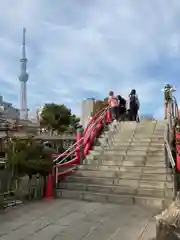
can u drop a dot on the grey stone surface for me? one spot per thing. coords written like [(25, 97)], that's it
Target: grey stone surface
[(75, 220), (131, 171)]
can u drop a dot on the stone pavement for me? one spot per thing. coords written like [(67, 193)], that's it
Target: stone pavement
[(75, 220)]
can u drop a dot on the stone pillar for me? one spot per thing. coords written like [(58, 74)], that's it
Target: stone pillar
[(86, 110)]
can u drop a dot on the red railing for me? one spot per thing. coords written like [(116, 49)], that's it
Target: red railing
[(84, 143)]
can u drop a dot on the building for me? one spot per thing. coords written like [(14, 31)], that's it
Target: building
[(23, 78), (87, 109), (8, 111)]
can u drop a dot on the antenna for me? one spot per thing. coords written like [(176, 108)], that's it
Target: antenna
[(24, 44)]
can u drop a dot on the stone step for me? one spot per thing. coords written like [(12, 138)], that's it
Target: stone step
[(150, 202), (158, 134), (128, 152), (154, 169), (159, 148), (116, 158), (117, 174), (141, 163), (121, 132), (95, 152), (155, 158), (119, 139), (144, 153), (150, 140), (134, 144), (160, 126), (156, 184), (134, 148), (138, 147), (110, 181), (157, 145), (115, 189), (127, 163), (160, 163), (159, 130), (143, 135), (154, 164), (146, 176), (146, 132), (138, 143), (104, 157), (101, 162), (121, 151), (96, 172), (118, 181), (132, 139), (145, 170), (100, 167), (142, 139)]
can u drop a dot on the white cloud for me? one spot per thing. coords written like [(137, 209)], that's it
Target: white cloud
[(76, 47)]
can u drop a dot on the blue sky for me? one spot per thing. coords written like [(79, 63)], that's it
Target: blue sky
[(84, 48)]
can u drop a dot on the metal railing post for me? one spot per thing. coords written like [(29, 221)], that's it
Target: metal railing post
[(168, 137), (80, 147)]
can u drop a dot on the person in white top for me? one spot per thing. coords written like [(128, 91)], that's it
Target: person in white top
[(113, 104), (91, 116)]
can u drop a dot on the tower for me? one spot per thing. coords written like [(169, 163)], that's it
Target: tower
[(23, 78)]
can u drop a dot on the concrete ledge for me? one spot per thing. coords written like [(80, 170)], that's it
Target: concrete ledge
[(117, 189), (149, 202)]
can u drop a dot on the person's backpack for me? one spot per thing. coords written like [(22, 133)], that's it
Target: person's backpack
[(134, 102), (123, 102)]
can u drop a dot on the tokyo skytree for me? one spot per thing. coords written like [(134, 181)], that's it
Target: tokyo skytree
[(23, 78)]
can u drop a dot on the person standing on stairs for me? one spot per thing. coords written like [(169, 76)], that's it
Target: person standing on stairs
[(168, 90), (121, 107), (113, 104), (133, 105), (91, 116)]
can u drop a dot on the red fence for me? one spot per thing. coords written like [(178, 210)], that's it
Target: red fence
[(177, 151), (84, 143), (66, 162)]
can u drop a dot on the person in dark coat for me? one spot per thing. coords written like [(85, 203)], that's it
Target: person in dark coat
[(133, 105), (121, 107)]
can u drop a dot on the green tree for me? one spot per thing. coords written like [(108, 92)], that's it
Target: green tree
[(71, 129), (74, 120), (27, 157), (55, 117)]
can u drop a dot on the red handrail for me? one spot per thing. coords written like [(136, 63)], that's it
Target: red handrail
[(96, 115), (87, 129), (91, 132)]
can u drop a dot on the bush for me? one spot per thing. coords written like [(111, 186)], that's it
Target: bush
[(27, 156)]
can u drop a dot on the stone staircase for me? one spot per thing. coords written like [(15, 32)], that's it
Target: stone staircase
[(130, 171)]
